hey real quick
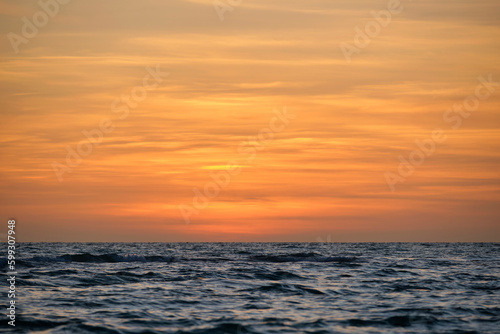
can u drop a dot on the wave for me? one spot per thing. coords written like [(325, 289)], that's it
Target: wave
[(114, 258), (303, 257), (103, 258), (285, 288)]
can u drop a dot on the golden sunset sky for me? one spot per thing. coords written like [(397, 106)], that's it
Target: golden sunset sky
[(324, 174)]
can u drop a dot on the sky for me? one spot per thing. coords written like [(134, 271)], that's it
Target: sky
[(254, 120)]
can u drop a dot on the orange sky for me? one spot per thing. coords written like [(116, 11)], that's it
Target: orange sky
[(322, 175)]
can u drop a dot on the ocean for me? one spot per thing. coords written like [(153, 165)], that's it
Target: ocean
[(256, 288)]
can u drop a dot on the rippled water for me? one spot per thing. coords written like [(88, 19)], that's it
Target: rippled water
[(258, 288)]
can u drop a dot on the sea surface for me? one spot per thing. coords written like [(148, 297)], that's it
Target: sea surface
[(256, 288)]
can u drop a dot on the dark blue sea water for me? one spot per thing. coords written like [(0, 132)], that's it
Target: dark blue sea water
[(257, 288)]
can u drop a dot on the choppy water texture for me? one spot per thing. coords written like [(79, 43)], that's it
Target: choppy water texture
[(257, 288)]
